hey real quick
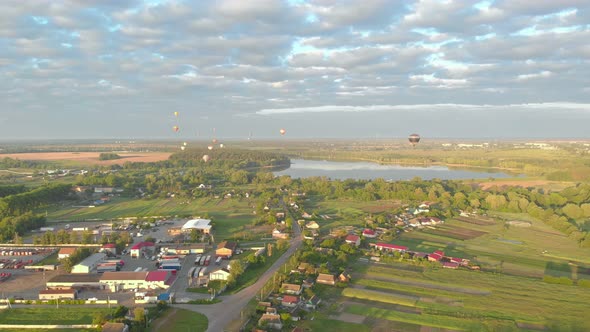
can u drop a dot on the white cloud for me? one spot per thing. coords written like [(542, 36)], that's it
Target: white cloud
[(427, 107)]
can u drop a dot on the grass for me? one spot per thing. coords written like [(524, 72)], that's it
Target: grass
[(178, 320), (442, 301), (231, 217), (370, 295), (323, 323), (51, 259), (51, 315), (253, 273)]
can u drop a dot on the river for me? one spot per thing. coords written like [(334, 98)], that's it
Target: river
[(342, 170)]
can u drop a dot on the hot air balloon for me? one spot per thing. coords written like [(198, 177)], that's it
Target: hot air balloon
[(175, 128), (182, 148), (282, 131), (176, 114), (206, 158), (214, 140), (221, 145), (210, 147), (414, 139)]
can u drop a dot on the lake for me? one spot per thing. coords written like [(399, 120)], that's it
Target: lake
[(342, 170)]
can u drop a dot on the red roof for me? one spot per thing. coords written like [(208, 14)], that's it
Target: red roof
[(109, 245), (290, 299), (368, 232), (351, 238), (456, 260), (435, 256), (142, 244), (438, 252), (391, 246), (160, 275)]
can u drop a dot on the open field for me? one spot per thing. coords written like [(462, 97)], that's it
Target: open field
[(90, 157), (180, 320), (323, 323), (465, 300), (51, 315), (232, 218)]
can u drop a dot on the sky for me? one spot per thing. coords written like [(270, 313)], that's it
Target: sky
[(317, 68)]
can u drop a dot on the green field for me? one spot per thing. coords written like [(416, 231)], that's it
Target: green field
[(509, 294), (322, 323), (252, 273), (50, 315), (180, 320), (232, 217)]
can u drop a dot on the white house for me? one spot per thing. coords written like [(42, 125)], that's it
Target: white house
[(221, 274)]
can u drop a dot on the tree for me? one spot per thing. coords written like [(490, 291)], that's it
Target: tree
[(99, 318), (573, 211), (139, 314)]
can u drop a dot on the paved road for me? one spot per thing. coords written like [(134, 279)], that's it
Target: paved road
[(221, 314)]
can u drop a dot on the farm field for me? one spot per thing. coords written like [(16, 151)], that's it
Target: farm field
[(89, 158), (464, 300), (503, 246), (48, 315), (180, 320)]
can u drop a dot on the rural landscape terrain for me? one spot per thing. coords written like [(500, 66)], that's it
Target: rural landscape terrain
[(508, 253)]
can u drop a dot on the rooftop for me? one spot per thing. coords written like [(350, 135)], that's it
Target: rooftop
[(75, 277), (123, 276), (67, 250), (197, 224), (57, 291), (158, 276)]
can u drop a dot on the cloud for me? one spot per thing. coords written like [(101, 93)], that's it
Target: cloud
[(428, 107), (222, 59)]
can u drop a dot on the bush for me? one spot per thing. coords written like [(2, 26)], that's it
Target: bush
[(558, 280), (584, 283)]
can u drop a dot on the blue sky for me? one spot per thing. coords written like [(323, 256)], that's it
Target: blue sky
[(318, 68)]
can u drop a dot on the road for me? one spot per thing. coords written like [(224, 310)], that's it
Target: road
[(221, 314)]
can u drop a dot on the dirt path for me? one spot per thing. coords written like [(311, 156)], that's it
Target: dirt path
[(163, 321)]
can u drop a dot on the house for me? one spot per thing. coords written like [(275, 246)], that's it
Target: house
[(204, 186), (369, 233), (292, 289), (114, 327), (313, 302), (353, 239), (326, 279), (389, 247), (221, 274), (312, 225), (89, 264), (277, 234), (306, 215), (75, 281), (140, 249), (290, 301), (65, 252), (52, 294), (450, 265), (271, 320), (436, 256), (109, 248), (226, 249), (344, 277), (305, 268), (280, 215), (159, 279), (119, 281)]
